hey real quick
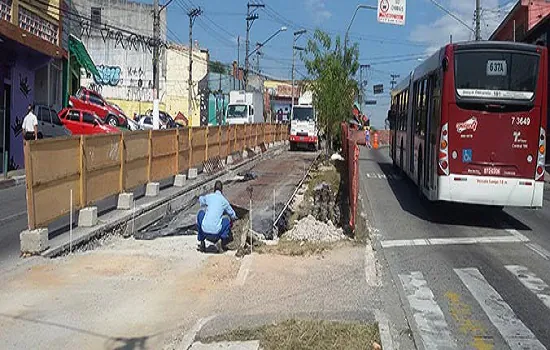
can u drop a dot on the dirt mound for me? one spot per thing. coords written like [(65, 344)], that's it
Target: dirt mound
[(310, 229)]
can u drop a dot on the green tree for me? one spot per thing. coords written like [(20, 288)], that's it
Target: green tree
[(217, 67), (331, 68)]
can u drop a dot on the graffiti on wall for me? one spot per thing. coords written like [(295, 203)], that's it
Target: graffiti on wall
[(108, 75), (95, 87), (24, 85), (204, 94)]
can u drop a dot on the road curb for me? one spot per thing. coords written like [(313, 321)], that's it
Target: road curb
[(12, 182), (147, 213)]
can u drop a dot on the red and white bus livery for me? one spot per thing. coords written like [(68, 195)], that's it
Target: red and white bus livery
[(469, 124)]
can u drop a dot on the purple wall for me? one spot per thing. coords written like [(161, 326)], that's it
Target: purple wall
[(22, 80)]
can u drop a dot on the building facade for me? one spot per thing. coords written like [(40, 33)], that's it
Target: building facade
[(31, 68), (122, 52), (523, 17), (177, 82)]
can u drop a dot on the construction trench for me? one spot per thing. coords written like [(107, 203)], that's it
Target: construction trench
[(269, 192)]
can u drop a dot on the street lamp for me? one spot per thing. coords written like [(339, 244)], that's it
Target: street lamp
[(360, 6), (260, 45), (297, 35)]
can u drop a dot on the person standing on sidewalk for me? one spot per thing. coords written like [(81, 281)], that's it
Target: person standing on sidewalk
[(214, 219), (30, 125)]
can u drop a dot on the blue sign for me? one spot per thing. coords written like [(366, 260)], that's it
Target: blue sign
[(467, 155)]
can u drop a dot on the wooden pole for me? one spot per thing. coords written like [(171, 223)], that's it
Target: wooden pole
[(122, 178), (83, 173), (206, 147), (220, 141), (177, 162), (29, 183), (190, 148), (150, 154)]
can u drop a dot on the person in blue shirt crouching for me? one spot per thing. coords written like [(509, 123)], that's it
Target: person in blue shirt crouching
[(214, 219)]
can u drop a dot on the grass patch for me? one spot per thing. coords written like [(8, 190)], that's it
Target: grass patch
[(306, 335), (300, 248)]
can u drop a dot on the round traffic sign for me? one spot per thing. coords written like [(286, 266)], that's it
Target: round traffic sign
[(384, 5)]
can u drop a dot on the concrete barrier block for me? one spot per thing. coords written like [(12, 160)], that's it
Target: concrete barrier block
[(87, 217), (245, 154), (152, 190), (34, 241), (179, 180), (125, 201), (192, 173)]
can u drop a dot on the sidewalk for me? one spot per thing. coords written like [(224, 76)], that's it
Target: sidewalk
[(14, 178)]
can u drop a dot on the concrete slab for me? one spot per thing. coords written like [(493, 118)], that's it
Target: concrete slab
[(152, 189), (125, 201), (179, 180), (234, 345), (192, 173), (87, 217), (229, 160), (34, 241)]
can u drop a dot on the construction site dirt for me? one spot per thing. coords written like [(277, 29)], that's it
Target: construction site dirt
[(147, 294), (264, 188)]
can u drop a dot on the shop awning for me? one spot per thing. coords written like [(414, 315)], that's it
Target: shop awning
[(77, 49)]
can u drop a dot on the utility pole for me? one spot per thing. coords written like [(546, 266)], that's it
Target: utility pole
[(393, 81), (156, 59), (238, 75), (362, 83), (478, 20), (297, 34), (193, 14), (156, 48), (250, 18)]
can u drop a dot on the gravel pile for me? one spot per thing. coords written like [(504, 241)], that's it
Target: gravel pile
[(312, 230)]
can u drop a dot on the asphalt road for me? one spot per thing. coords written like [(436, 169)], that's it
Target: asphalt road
[(469, 277), (13, 220)]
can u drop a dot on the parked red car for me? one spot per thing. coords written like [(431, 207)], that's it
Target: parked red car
[(89, 100), (82, 122)]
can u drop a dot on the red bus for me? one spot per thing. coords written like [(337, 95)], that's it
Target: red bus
[(469, 124)]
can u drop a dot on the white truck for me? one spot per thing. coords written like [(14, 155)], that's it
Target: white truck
[(303, 123), (245, 108)]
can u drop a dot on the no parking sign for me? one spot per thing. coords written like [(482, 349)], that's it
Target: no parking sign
[(392, 11)]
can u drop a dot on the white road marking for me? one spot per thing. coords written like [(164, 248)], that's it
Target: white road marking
[(244, 270), (189, 337), (545, 254), (514, 332), (531, 282), (516, 233), (13, 216), (428, 316), (449, 241)]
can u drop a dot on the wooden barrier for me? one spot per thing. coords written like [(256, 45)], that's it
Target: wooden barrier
[(95, 167)]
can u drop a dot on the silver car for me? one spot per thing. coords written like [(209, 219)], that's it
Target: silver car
[(49, 124)]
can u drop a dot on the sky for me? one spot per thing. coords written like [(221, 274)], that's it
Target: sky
[(388, 49)]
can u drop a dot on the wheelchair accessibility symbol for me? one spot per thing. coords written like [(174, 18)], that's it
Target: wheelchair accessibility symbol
[(467, 155)]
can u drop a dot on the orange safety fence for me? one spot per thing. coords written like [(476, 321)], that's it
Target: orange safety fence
[(95, 167)]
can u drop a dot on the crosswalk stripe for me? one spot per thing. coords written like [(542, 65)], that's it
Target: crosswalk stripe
[(531, 282), (514, 332), (427, 314)]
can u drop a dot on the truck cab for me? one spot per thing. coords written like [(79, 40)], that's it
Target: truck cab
[(303, 124)]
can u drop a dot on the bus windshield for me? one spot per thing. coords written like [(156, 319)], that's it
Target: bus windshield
[(303, 114), (496, 75), (236, 111)]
